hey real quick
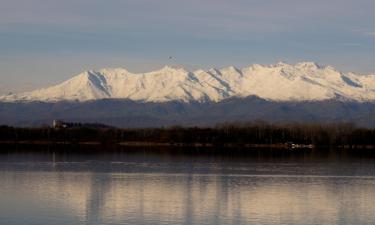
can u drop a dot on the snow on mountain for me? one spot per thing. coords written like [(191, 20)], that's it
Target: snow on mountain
[(305, 81)]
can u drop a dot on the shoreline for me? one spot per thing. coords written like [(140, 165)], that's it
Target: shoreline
[(152, 144), (179, 144)]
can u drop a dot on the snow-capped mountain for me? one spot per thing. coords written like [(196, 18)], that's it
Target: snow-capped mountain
[(304, 81)]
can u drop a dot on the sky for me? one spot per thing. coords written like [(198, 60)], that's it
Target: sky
[(44, 42)]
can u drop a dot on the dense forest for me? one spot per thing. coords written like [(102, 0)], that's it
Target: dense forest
[(238, 134)]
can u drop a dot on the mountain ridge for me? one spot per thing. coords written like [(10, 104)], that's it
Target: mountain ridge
[(304, 81), (128, 113)]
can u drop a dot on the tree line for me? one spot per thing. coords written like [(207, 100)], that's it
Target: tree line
[(340, 134)]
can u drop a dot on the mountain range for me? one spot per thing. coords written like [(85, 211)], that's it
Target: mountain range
[(304, 92), (304, 81)]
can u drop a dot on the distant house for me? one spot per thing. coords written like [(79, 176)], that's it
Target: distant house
[(59, 124)]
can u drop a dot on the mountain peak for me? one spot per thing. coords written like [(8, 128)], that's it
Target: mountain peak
[(308, 64), (231, 69), (173, 68), (214, 71), (113, 71), (281, 64)]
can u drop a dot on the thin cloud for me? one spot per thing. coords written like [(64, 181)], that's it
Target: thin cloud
[(349, 44), (363, 32)]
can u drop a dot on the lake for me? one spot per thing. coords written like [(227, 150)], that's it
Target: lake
[(189, 186)]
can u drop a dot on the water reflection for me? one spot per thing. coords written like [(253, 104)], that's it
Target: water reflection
[(202, 190)]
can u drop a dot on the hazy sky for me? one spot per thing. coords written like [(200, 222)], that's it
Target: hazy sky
[(43, 42)]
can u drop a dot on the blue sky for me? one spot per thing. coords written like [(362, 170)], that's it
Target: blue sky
[(43, 42)]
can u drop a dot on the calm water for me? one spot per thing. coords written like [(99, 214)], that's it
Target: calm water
[(141, 187)]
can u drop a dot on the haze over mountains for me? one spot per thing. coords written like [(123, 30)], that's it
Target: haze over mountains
[(304, 81), (305, 92)]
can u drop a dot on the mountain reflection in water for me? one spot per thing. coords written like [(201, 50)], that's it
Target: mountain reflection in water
[(143, 187)]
